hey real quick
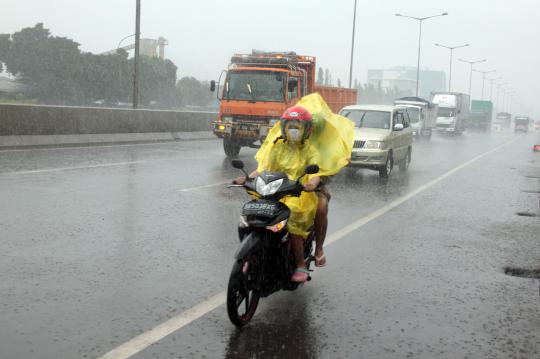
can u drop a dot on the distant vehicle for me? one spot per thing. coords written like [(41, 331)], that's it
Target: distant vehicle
[(257, 89), (453, 112), (383, 137), (481, 115), (502, 121), (521, 123), (422, 113)]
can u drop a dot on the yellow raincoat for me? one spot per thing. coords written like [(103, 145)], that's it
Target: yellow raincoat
[(329, 146)]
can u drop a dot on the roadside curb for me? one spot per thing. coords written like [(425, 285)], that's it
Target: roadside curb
[(11, 142)]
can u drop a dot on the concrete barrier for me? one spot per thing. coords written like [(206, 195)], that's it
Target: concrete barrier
[(22, 125)]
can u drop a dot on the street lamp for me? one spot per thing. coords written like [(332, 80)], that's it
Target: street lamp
[(471, 63), (499, 90), (420, 20), (484, 73), (451, 48), (136, 60), (491, 81), (352, 45), (121, 41)]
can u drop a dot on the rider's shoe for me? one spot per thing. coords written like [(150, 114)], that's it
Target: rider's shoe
[(300, 275)]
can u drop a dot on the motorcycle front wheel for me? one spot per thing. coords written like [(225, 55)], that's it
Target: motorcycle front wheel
[(242, 299)]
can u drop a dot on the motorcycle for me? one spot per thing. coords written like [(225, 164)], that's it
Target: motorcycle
[(264, 262)]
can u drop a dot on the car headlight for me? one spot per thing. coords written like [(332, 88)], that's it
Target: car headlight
[(374, 145), (226, 119), (267, 189)]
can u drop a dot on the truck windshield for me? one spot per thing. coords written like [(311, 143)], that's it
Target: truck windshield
[(414, 114), (522, 121), (265, 86), (368, 119), (446, 112)]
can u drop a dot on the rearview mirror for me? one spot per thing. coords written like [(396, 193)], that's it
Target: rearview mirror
[(239, 164), (312, 169), (212, 86), (398, 127)]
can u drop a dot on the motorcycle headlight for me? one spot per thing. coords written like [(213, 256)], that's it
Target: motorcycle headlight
[(374, 145), (226, 119), (267, 189)]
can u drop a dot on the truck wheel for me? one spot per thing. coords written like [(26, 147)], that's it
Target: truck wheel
[(404, 163), (231, 147), (384, 171)]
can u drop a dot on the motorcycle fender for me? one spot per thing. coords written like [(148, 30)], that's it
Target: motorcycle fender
[(251, 242)]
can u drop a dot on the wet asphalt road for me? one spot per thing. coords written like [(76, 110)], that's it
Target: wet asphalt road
[(101, 244)]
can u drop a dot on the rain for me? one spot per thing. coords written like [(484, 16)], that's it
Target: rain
[(296, 179)]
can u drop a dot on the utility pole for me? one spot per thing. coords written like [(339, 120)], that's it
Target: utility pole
[(484, 73), (136, 59), (451, 48), (491, 81), (352, 45), (420, 20), (471, 63)]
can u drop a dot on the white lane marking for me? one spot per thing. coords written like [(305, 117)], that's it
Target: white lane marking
[(155, 334), (202, 187), (60, 169), (144, 340), (364, 220)]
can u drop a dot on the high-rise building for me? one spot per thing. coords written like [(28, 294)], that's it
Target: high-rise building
[(403, 78)]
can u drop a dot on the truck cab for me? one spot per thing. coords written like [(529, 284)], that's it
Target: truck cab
[(258, 87), (453, 111), (422, 114)]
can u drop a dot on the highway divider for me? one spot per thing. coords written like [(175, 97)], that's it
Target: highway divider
[(34, 125)]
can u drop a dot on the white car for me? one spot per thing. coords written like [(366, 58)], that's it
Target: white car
[(383, 136)]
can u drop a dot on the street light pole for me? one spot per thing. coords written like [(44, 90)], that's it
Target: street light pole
[(484, 73), (451, 48), (491, 81), (136, 60), (498, 93), (352, 45), (471, 63), (420, 20)]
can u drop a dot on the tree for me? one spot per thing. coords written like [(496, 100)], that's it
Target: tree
[(5, 42), (320, 76), (192, 92), (59, 73)]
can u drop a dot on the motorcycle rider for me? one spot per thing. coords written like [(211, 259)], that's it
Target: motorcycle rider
[(291, 153)]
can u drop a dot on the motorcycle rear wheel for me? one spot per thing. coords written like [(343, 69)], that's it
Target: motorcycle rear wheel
[(239, 294)]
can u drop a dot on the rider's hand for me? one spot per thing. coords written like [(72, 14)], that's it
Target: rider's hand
[(240, 180), (310, 187)]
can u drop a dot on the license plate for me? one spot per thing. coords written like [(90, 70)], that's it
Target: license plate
[(260, 206)]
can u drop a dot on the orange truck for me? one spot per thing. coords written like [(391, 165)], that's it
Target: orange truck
[(257, 89)]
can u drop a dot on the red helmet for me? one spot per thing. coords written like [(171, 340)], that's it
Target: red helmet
[(297, 115)]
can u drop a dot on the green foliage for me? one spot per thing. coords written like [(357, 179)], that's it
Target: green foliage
[(58, 73), (192, 92)]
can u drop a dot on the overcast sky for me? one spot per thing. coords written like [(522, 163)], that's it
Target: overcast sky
[(203, 34)]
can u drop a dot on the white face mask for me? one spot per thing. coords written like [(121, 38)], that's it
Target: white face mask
[(293, 135)]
